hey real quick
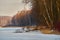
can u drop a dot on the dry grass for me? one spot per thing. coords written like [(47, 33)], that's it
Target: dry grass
[(45, 30), (48, 31)]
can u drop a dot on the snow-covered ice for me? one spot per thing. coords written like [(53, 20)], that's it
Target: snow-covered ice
[(8, 34)]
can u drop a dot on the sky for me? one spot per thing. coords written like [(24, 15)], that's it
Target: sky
[(10, 7)]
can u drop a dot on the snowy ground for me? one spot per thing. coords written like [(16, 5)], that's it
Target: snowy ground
[(8, 34)]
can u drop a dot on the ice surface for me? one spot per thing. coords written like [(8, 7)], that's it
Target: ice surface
[(8, 34)]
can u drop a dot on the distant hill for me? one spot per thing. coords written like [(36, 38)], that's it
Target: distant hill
[(4, 20)]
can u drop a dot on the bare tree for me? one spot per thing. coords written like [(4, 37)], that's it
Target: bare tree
[(46, 11)]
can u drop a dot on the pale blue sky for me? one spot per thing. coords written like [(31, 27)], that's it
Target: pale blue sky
[(10, 7)]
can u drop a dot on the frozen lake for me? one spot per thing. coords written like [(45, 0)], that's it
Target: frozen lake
[(8, 34)]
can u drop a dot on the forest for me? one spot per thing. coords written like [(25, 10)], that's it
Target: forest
[(45, 14)]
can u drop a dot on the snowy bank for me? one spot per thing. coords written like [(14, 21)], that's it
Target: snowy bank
[(8, 34)]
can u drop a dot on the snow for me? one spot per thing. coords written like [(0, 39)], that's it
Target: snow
[(8, 34)]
